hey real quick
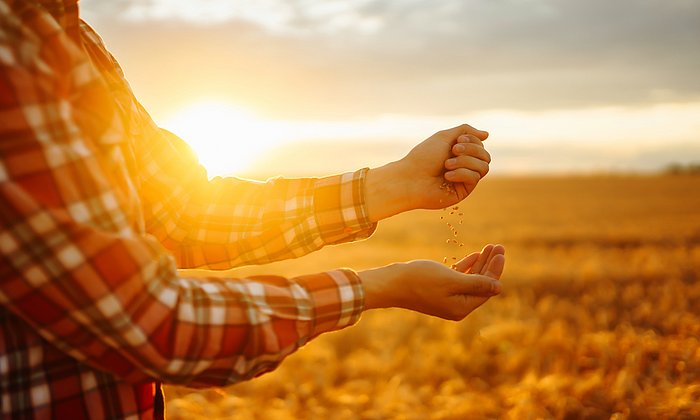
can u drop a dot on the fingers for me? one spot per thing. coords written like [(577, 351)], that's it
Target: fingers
[(466, 176), (495, 263), (466, 129), (498, 249), (483, 260), (485, 264), (470, 138), (468, 162), (495, 266), (467, 262), (470, 147), (488, 267)]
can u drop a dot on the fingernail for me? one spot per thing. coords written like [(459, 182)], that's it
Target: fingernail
[(449, 175), (459, 148), (451, 162), (496, 287)]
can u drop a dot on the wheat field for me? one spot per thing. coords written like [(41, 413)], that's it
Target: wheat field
[(600, 316)]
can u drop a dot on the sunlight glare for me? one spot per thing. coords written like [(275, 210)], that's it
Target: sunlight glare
[(226, 138)]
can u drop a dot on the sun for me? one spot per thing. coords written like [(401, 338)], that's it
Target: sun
[(227, 139)]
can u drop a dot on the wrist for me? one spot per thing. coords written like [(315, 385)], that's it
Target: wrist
[(378, 286), (386, 193)]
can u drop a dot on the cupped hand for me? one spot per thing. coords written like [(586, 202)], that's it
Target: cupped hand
[(434, 289), (489, 262)]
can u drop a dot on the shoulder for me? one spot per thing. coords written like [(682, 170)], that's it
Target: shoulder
[(35, 51), (96, 48)]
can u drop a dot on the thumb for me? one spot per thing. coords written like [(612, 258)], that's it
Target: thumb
[(478, 285)]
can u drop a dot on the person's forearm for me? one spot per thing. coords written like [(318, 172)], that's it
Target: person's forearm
[(224, 222), (385, 192)]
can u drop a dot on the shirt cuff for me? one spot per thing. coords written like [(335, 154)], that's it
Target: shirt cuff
[(337, 298), (339, 205)]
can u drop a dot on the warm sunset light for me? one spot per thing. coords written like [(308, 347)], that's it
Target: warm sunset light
[(225, 137), (563, 87), (351, 209)]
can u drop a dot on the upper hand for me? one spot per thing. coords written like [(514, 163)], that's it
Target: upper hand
[(437, 173)]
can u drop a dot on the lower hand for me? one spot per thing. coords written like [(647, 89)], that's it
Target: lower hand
[(489, 262), (434, 289), (437, 173)]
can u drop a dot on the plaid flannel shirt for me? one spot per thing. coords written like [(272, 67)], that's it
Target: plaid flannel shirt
[(99, 208)]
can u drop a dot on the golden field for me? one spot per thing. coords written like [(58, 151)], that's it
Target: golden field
[(600, 317)]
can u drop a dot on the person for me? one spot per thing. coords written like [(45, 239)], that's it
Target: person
[(99, 208)]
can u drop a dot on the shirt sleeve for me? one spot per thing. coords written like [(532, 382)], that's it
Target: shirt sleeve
[(75, 265), (228, 222)]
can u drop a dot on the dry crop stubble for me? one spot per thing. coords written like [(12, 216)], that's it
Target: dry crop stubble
[(600, 316)]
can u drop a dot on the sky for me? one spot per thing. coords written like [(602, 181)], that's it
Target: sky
[(310, 87)]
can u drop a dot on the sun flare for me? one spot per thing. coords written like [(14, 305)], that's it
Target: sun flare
[(227, 139)]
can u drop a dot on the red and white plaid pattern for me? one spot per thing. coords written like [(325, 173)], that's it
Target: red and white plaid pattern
[(98, 210)]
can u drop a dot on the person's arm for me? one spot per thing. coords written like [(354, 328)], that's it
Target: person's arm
[(76, 266), (228, 222), (114, 299)]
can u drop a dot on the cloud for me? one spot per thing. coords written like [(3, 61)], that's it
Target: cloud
[(358, 58), (290, 17)]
